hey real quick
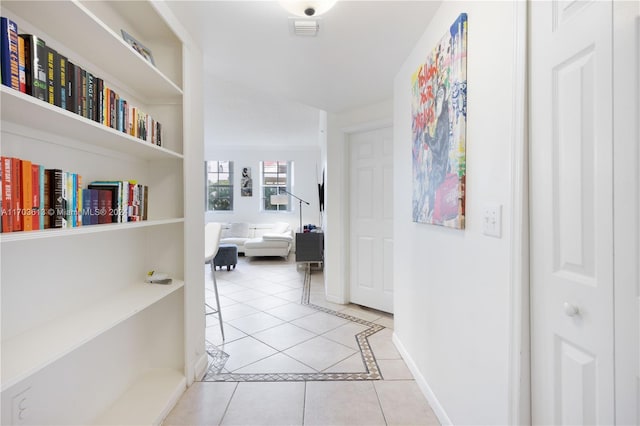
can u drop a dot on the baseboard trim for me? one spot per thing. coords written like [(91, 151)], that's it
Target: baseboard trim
[(422, 383), (201, 366), (335, 299)]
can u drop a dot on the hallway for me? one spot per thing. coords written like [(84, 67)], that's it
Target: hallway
[(287, 363)]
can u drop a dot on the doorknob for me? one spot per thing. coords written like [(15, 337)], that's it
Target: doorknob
[(570, 310)]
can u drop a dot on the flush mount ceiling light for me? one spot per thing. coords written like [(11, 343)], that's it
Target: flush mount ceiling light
[(307, 8)]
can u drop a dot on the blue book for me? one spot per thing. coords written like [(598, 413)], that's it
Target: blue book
[(86, 207), (94, 195), (9, 53)]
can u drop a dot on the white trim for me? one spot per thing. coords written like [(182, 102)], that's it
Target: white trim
[(336, 299), (437, 408), (519, 328), (200, 366)]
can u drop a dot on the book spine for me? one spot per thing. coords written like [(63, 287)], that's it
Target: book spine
[(83, 102), (42, 213), (86, 207), (120, 114), (35, 196), (21, 66), (95, 206), (78, 89), (47, 213), (99, 107), (9, 53), (145, 201), (79, 201), (112, 109), (61, 72), (90, 96), (105, 106), (108, 206), (16, 192), (26, 189), (7, 198), (71, 87), (56, 201), (65, 200), (51, 77), (36, 66)]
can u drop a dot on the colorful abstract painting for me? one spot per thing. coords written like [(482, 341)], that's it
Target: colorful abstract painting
[(438, 124)]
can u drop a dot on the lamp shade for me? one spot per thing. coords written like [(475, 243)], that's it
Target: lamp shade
[(307, 8), (279, 200)]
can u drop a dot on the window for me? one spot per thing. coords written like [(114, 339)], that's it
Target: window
[(219, 196), (276, 176)]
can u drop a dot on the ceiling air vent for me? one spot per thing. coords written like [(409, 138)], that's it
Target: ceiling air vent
[(305, 27)]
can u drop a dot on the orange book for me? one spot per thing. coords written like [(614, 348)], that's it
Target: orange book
[(27, 196)]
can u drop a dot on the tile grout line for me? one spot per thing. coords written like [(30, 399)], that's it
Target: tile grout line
[(226, 409), (370, 363), (379, 403)]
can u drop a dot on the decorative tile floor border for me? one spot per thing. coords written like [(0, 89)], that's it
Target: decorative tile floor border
[(218, 358)]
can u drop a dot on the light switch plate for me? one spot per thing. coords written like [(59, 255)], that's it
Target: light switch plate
[(492, 220)]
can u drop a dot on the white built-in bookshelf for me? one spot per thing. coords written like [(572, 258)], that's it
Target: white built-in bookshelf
[(84, 338)]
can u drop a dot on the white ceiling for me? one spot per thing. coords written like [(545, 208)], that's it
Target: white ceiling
[(266, 87), (350, 63)]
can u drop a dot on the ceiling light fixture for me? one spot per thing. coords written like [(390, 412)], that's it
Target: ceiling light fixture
[(307, 8)]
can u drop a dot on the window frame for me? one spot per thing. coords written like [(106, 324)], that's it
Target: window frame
[(265, 205), (228, 188)]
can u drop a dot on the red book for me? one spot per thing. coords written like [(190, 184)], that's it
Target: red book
[(16, 193), (7, 199), (27, 196), (35, 194)]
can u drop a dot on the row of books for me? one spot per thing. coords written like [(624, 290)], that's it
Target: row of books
[(34, 197), (32, 67)]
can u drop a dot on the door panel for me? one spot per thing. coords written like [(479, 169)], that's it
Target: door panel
[(571, 189), (371, 219)]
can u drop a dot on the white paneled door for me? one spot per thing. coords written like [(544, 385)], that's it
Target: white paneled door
[(371, 218), (572, 269)]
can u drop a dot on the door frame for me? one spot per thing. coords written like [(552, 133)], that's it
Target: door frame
[(519, 386)]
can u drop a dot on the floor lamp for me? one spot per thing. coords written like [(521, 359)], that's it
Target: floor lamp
[(281, 199)]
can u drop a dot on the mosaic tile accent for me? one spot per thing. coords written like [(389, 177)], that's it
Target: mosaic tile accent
[(218, 358)]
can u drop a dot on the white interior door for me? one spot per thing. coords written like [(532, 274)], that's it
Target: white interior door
[(371, 219), (572, 374)]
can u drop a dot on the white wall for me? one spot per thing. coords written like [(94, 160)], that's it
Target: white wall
[(240, 116), (452, 287), (306, 160), (339, 126)]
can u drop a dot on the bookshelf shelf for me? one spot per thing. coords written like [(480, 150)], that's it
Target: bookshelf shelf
[(20, 109), (23, 355), (83, 230), (71, 21), (150, 395)]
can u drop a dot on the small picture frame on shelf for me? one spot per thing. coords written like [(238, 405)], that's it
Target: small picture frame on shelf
[(138, 47)]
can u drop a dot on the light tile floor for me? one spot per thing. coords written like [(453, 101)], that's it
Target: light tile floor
[(287, 363)]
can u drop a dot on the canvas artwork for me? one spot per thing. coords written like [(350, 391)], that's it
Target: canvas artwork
[(438, 124), (246, 186)]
